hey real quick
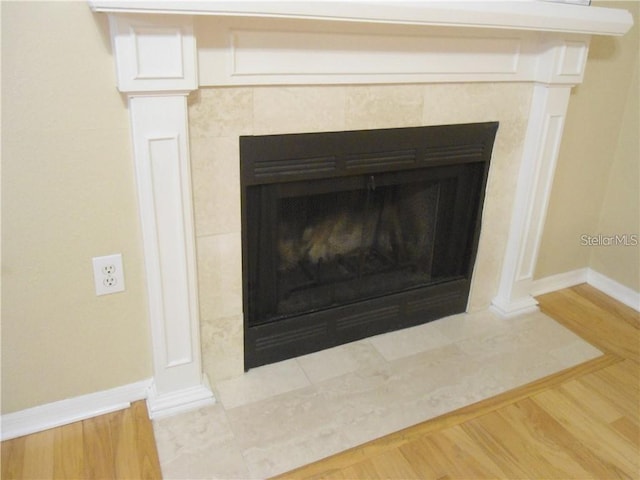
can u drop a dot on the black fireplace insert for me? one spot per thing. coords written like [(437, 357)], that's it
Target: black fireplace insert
[(356, 233)]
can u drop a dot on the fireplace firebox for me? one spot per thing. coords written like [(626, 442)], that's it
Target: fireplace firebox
[(356, 233)]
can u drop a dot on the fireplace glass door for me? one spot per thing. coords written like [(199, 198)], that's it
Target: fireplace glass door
[(368, 236), (337, 248)]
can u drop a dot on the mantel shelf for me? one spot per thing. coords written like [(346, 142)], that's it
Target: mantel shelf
[(517, 15)]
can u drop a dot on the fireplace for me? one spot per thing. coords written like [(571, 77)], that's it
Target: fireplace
[(389, 64), (351, 234)]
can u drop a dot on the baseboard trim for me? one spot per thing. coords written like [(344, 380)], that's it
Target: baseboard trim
[(606, 285), (616, 290), (558, 282), (63, 412), (160, 406)]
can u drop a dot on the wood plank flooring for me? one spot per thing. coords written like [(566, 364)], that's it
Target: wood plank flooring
[(581, 423), (116, 445)]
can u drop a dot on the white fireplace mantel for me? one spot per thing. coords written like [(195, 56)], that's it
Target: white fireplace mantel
[(163, 50), (511, 14)]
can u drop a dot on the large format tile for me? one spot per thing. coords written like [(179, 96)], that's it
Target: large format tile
[(298, 109), (222, 347), (261, 383), (469, 325), (374, 402), (574, 353), (337, 361), (199, 444), (215, 185), (409, 341), (221, 112), (383, 106), (286, 431)]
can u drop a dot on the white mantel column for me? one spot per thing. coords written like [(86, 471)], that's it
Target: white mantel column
[(558, 69), (542, 144), (156, 63)]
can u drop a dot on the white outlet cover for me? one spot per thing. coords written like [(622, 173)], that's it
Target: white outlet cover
[(108, 274)]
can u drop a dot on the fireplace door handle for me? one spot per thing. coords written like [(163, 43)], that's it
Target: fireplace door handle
[(372, 183)]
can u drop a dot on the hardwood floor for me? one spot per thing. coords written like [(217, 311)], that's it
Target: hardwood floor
[(116, 445), (580, 423)]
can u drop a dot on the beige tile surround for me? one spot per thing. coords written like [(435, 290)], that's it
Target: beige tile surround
[(218, 116)]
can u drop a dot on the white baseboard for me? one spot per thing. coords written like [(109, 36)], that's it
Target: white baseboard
[(560, 281), (160, 406), (63, 412), (615, 290)]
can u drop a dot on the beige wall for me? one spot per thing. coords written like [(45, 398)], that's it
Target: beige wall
[(596, 188), (68, 194), (620, 212)]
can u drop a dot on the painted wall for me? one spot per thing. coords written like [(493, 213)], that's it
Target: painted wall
[(596, 186), (620, 212), (68, 194)]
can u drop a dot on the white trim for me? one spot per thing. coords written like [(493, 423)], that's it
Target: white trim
[(553, 283), (514, 308), (535, 179), (63, 412), (161, 155), (606, 285), (616, 290), (250, 51), (154, 56), (178, 401), (521, 15)]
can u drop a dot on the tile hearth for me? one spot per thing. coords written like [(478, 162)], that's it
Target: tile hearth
[(281, 416)]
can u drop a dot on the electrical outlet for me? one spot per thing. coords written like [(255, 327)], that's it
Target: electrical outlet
[(108, 274)]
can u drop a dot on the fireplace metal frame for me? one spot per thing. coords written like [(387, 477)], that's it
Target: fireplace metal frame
[(269, 164)]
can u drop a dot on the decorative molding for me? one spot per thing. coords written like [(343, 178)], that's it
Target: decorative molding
[(514, 308), (148, 40), (166, 186), (266, 53), (154, 55), (249, 51), (542, 144), (72, 410), (573, 57), (157, 66), (161, 156), (513, 15), (178, 401)]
